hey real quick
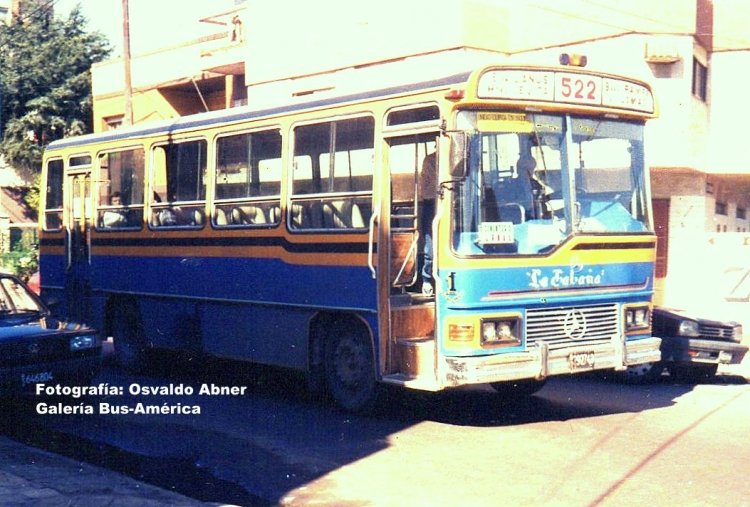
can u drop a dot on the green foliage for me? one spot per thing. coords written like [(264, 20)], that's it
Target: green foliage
[(45, 81), (31, 198), (23, 258)]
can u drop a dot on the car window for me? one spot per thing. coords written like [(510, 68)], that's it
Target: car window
[(15, 298)]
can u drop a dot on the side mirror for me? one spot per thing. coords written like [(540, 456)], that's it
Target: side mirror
[(459, 155)]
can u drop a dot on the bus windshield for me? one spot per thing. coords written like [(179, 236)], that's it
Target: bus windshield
[(529, 181)]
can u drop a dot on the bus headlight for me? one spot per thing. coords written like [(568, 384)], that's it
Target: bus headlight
[(501, 331), (637, 317)]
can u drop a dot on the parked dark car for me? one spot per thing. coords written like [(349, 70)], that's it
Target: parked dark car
[(36, 347), (692, 348)]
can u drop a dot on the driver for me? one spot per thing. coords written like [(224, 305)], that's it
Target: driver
[(526, 167)]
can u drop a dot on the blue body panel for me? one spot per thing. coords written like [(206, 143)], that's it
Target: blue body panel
[(484, 289), (244, 308)]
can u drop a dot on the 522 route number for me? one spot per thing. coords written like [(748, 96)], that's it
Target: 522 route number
[(578, 88)]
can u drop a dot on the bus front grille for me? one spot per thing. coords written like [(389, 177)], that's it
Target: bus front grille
[(572, 325)]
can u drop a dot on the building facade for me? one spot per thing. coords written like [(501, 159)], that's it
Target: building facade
[(689, 50)]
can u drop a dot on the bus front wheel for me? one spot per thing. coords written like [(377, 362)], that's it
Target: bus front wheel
[(128, 337), (645, 373), (349, 370)]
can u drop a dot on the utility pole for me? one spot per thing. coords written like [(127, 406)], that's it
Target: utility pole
[(127, 118)]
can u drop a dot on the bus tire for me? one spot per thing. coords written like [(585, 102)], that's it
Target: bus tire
[(645, 373), (518, 388), (128, 336), (350, 369)]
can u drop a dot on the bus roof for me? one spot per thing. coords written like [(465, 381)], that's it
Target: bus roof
[(225, 116)]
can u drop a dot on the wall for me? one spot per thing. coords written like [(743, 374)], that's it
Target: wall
[(330, 34), (164, 68), (730, 151)]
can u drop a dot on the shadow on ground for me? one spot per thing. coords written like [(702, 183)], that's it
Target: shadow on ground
[(251, 450)]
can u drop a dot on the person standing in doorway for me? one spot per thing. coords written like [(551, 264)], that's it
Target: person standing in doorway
[(427, 194)]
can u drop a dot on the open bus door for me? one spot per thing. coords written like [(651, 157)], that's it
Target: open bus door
[(78, 244), (411, 315)]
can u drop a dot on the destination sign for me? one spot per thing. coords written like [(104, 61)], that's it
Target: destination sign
[(565, 87)]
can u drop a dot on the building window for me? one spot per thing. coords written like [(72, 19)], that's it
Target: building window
[(112, 122), (721, 208), (741, 213), (700, 80)]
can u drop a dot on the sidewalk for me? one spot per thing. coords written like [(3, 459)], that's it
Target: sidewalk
[(33, 477)]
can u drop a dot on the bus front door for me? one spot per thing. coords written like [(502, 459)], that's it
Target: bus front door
[(411, 313), (78, 244)]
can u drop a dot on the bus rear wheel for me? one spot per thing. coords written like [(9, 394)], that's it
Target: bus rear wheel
[(350, 371), (127, 333)]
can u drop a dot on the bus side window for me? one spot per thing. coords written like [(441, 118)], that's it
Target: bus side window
[(332, 175), (248, 179), (179, 185), (121, 176)]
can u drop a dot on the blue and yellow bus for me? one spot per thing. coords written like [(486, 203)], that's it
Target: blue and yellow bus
[(487, 226)]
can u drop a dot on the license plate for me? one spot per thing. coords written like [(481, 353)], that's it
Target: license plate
[(35, 378), (581, 360), (725, 357)]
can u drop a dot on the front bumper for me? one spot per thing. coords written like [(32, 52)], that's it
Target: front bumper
[(541, 362), (698, 350)]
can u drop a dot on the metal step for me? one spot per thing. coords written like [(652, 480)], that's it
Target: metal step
[(415, 357)]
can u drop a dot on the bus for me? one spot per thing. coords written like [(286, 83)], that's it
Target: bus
[(487, 226)]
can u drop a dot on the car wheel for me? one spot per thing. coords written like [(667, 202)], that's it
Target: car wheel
[(518, 388), (350, 371), (693, 372), (645, 373), (128, 337)]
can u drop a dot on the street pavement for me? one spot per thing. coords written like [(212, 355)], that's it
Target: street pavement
[(34, 477)]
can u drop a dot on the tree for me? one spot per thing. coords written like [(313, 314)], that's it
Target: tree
[(45, 81)]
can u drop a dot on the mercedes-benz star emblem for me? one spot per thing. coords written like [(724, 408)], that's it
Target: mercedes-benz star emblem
[(574, 324), (34, 348)]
